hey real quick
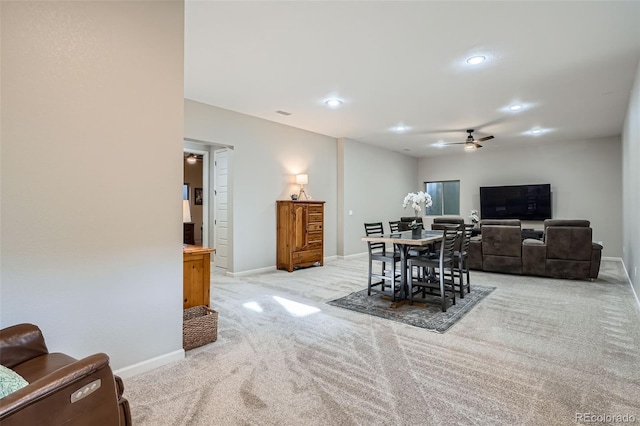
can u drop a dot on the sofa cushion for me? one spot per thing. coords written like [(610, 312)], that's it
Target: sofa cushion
[(501, 241), (10, 381), (568, 243)]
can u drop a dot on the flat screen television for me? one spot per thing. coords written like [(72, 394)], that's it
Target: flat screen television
[(524, 202)]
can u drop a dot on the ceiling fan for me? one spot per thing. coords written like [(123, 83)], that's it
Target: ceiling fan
[(471, 144)]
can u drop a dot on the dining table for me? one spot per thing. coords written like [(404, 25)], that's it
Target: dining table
[(405, 241)]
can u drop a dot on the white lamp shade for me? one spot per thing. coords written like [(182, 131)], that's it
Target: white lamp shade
[(186, 211), (302, 179)]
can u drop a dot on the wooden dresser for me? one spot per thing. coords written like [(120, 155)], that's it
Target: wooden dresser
[(300, 234), (196, 276)]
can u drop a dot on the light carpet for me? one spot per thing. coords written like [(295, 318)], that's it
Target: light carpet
[(535, 351), (427, 315)]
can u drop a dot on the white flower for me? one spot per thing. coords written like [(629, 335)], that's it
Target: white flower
[(474, 216), (415, 199)]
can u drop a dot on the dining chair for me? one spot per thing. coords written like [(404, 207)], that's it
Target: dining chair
[(396, 226), (461, 257), (378, 253), (441, 270)]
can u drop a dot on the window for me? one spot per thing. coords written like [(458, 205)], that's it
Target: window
[(445, 196)]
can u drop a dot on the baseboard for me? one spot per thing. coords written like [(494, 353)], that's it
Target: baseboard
[(613, 259), (633, 290), (268, 269), (353, 256), (150, 364), (251, 271)]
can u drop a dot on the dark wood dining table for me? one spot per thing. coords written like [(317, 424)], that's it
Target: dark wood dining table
[(405, 241)]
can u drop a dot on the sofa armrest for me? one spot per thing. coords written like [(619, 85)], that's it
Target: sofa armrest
[(534, 257), (474, 260), (596, 257), (58, 396), (20, 343)]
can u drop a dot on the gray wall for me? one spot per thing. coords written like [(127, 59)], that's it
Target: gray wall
[(373, 182), (92, 116), (585, 179), (631, 186), (266, 157)]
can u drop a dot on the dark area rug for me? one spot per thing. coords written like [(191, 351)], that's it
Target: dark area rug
[(428, 316)]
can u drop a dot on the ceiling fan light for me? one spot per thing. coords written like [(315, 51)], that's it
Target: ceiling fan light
[(333, 103), (515, 107), (469, 147), (192, 159), (475, 60)]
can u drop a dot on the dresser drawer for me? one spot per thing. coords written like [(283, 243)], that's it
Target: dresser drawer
[(314, 240), (315, 218), (314, 227), (307, 257), (313, 209)]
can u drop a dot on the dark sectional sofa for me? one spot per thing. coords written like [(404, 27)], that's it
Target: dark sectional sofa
[(566, 251)]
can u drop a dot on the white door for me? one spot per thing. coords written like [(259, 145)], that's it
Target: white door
[(221, 208)]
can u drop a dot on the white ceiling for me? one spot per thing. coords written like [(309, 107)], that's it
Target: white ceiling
[(570, 64)]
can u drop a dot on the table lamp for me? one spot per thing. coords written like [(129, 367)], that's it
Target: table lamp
[(302, 180)]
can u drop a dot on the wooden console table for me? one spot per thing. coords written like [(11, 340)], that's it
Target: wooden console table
[(196, 274)]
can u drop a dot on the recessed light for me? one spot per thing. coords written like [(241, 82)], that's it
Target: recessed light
[(400, 128), (475, 60), (333, 103), (515, 107)]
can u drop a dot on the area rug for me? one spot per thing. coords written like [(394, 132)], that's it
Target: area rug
[(428, 316)]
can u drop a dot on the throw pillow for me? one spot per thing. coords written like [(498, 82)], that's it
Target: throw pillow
[(10, 381)]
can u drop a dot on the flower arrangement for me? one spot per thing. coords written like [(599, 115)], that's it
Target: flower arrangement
[(415, 199), (474, 217), (414, 225)]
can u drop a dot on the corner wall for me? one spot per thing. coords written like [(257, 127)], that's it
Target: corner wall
[(631, 186), (92, 115), (585, 179), (375, 182)]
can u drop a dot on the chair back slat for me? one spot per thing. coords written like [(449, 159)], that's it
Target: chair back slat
[(394, 226), (448, 243), (466, 239), (374, 228)]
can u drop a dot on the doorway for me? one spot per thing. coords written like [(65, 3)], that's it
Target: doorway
[(209, 187), (196, 180)]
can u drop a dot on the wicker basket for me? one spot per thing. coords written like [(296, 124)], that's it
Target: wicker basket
[(199, 327)]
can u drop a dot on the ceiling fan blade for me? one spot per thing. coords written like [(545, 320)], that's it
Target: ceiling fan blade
[(486, 138), (455, 143)]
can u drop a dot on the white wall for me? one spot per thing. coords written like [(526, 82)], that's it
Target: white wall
[(373, 184), (266, 157), (92, 116), (631, 186), (585, 178)]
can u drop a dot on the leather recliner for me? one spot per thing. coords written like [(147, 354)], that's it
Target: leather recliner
[(566, 252), (61, 389), (500, 247)]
